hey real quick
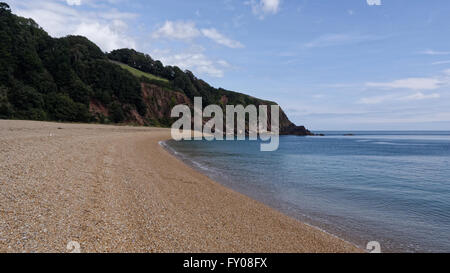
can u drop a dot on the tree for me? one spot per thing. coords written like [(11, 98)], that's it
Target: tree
[(116, 112), (4, 8), (6, 109), (62, 78), (25, 97), (62, 108)]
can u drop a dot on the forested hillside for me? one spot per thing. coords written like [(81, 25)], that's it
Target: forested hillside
[(71, 79), (43, 78)]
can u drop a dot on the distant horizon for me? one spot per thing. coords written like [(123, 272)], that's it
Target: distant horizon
[(446, 131), (400, 128)]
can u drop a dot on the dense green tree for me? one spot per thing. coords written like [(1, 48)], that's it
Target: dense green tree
[(6, 109), (116, 112), (47, 78), (25, 97), (44, 78), (62, 108), (4, 8)]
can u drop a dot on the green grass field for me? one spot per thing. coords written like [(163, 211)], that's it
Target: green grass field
[(139, 73)]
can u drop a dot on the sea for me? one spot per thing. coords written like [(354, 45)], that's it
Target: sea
[(384, 186)]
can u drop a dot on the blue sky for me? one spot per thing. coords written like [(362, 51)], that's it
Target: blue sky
[(336, 65)]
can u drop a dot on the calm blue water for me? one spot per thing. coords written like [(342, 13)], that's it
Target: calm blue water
[(391, 187)]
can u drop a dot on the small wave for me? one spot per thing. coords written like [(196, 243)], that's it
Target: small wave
[(186, 158), (399, 144), (200, 165), (167, 147), (385, 143)]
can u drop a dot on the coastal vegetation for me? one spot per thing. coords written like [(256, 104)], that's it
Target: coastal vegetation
[(71, 79), (140, 74)]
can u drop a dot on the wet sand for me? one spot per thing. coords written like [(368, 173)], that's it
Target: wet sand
[(115, 189)]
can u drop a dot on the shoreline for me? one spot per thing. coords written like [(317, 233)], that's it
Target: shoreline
[(185, 160), (116, 189)]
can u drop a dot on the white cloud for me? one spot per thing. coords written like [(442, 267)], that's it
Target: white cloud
[(73, 2), (261, 8), (224, 63), (107, 27), (375, 100), (421, 96), (104, 36), (416, 84), (391, 97), (270, 6), (441, 62), (338, 39), (409, 83), (374, 2), (179, 30), (194, 60), (433, 52), (187, 31), (219, 38)]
